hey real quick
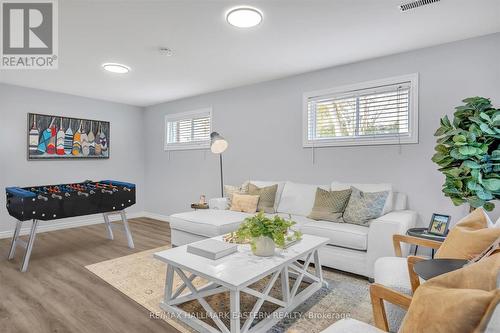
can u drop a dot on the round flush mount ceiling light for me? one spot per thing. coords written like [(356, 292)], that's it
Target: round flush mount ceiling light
[(116, 68), (244, 17)]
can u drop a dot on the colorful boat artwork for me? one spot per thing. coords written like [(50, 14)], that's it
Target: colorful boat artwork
[(58, 137)]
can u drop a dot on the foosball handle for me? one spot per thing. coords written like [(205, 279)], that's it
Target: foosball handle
[(83, 193), (55, 196), (127, 189), (41, 197), (107, 191)]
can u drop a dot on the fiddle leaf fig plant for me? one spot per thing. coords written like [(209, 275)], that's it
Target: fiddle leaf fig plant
[(468, 153)]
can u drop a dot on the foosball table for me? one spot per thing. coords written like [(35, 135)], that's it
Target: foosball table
[(52, 202)]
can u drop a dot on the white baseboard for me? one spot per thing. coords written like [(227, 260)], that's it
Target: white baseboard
[(70, 223), (155, 216)]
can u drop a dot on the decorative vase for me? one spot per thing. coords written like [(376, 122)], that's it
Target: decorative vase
[(263, 246)]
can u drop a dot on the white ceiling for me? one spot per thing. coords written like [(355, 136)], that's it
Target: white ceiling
[(294, 37)]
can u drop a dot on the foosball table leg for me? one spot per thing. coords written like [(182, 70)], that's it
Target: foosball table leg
[(126, 228), (13, 245), (29, 246), (130, 241), (108, 226)]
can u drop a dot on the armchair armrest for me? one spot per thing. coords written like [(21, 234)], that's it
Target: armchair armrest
[(379, 294), (398, 239), (218, 203), (414, 278), (381, 230)]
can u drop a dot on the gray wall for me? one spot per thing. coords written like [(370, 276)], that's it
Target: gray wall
[(263, 124), (126, 143)]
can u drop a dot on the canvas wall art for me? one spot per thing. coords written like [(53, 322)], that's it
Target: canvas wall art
[(57, 137)]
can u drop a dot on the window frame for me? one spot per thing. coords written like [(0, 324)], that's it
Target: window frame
[(388, 139), (189, 115)]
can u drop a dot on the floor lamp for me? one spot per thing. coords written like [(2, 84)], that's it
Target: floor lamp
[(218, 145)]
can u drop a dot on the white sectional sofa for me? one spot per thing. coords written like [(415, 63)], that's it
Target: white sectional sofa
[(353, 248)]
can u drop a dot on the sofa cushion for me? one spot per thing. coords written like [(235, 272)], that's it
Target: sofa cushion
[(299, 219), (346, 235), (265, 183), (267, 197), (298, 198), (392, 272), (389, 204), (207, 222)]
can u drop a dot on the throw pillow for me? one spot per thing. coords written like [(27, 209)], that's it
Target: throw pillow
[(244, 203), (267, 196), (459, 301), (266, 183), (229, 190), (388, 207), (364, 206), (469, 237), (329, 205)]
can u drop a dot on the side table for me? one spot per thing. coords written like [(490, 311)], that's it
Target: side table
[(427, 269), (197, 206), (423, 233)]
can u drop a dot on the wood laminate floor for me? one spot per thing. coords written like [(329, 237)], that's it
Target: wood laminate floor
[(58, 294)]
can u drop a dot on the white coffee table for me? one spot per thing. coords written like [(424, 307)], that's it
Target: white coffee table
[(234, 274)]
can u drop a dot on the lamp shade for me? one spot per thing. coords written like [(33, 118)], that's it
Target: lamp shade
[(217, 143)]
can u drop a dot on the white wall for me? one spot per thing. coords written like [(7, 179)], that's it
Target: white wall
[(126, 161), (263, 124)]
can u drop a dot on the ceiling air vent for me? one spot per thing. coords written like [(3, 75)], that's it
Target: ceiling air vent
[(415, 4)]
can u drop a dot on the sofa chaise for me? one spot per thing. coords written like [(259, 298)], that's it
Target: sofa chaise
[(352, 248)]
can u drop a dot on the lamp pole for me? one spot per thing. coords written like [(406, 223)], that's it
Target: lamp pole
[(218, 145), (221, 177)]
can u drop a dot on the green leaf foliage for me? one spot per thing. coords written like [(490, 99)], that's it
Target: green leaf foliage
[(258, 225), (468, 153), (492, 184), (470, 164)]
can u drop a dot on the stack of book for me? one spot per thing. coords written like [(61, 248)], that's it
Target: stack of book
[(212, 249)]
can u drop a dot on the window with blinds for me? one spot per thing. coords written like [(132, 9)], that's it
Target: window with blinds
[(188, 130), (371, 113)]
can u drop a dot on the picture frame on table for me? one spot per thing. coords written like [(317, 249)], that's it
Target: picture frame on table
[(439, 224)]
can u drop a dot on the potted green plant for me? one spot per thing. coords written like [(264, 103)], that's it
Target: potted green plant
[(265, 233), (468, 154)]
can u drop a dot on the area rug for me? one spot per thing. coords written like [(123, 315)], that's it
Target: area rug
[(142, 278)]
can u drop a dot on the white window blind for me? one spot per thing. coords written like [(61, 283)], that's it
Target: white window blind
[(378, 112), (188, 130)]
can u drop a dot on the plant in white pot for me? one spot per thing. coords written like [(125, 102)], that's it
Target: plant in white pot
[(265, 233)]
